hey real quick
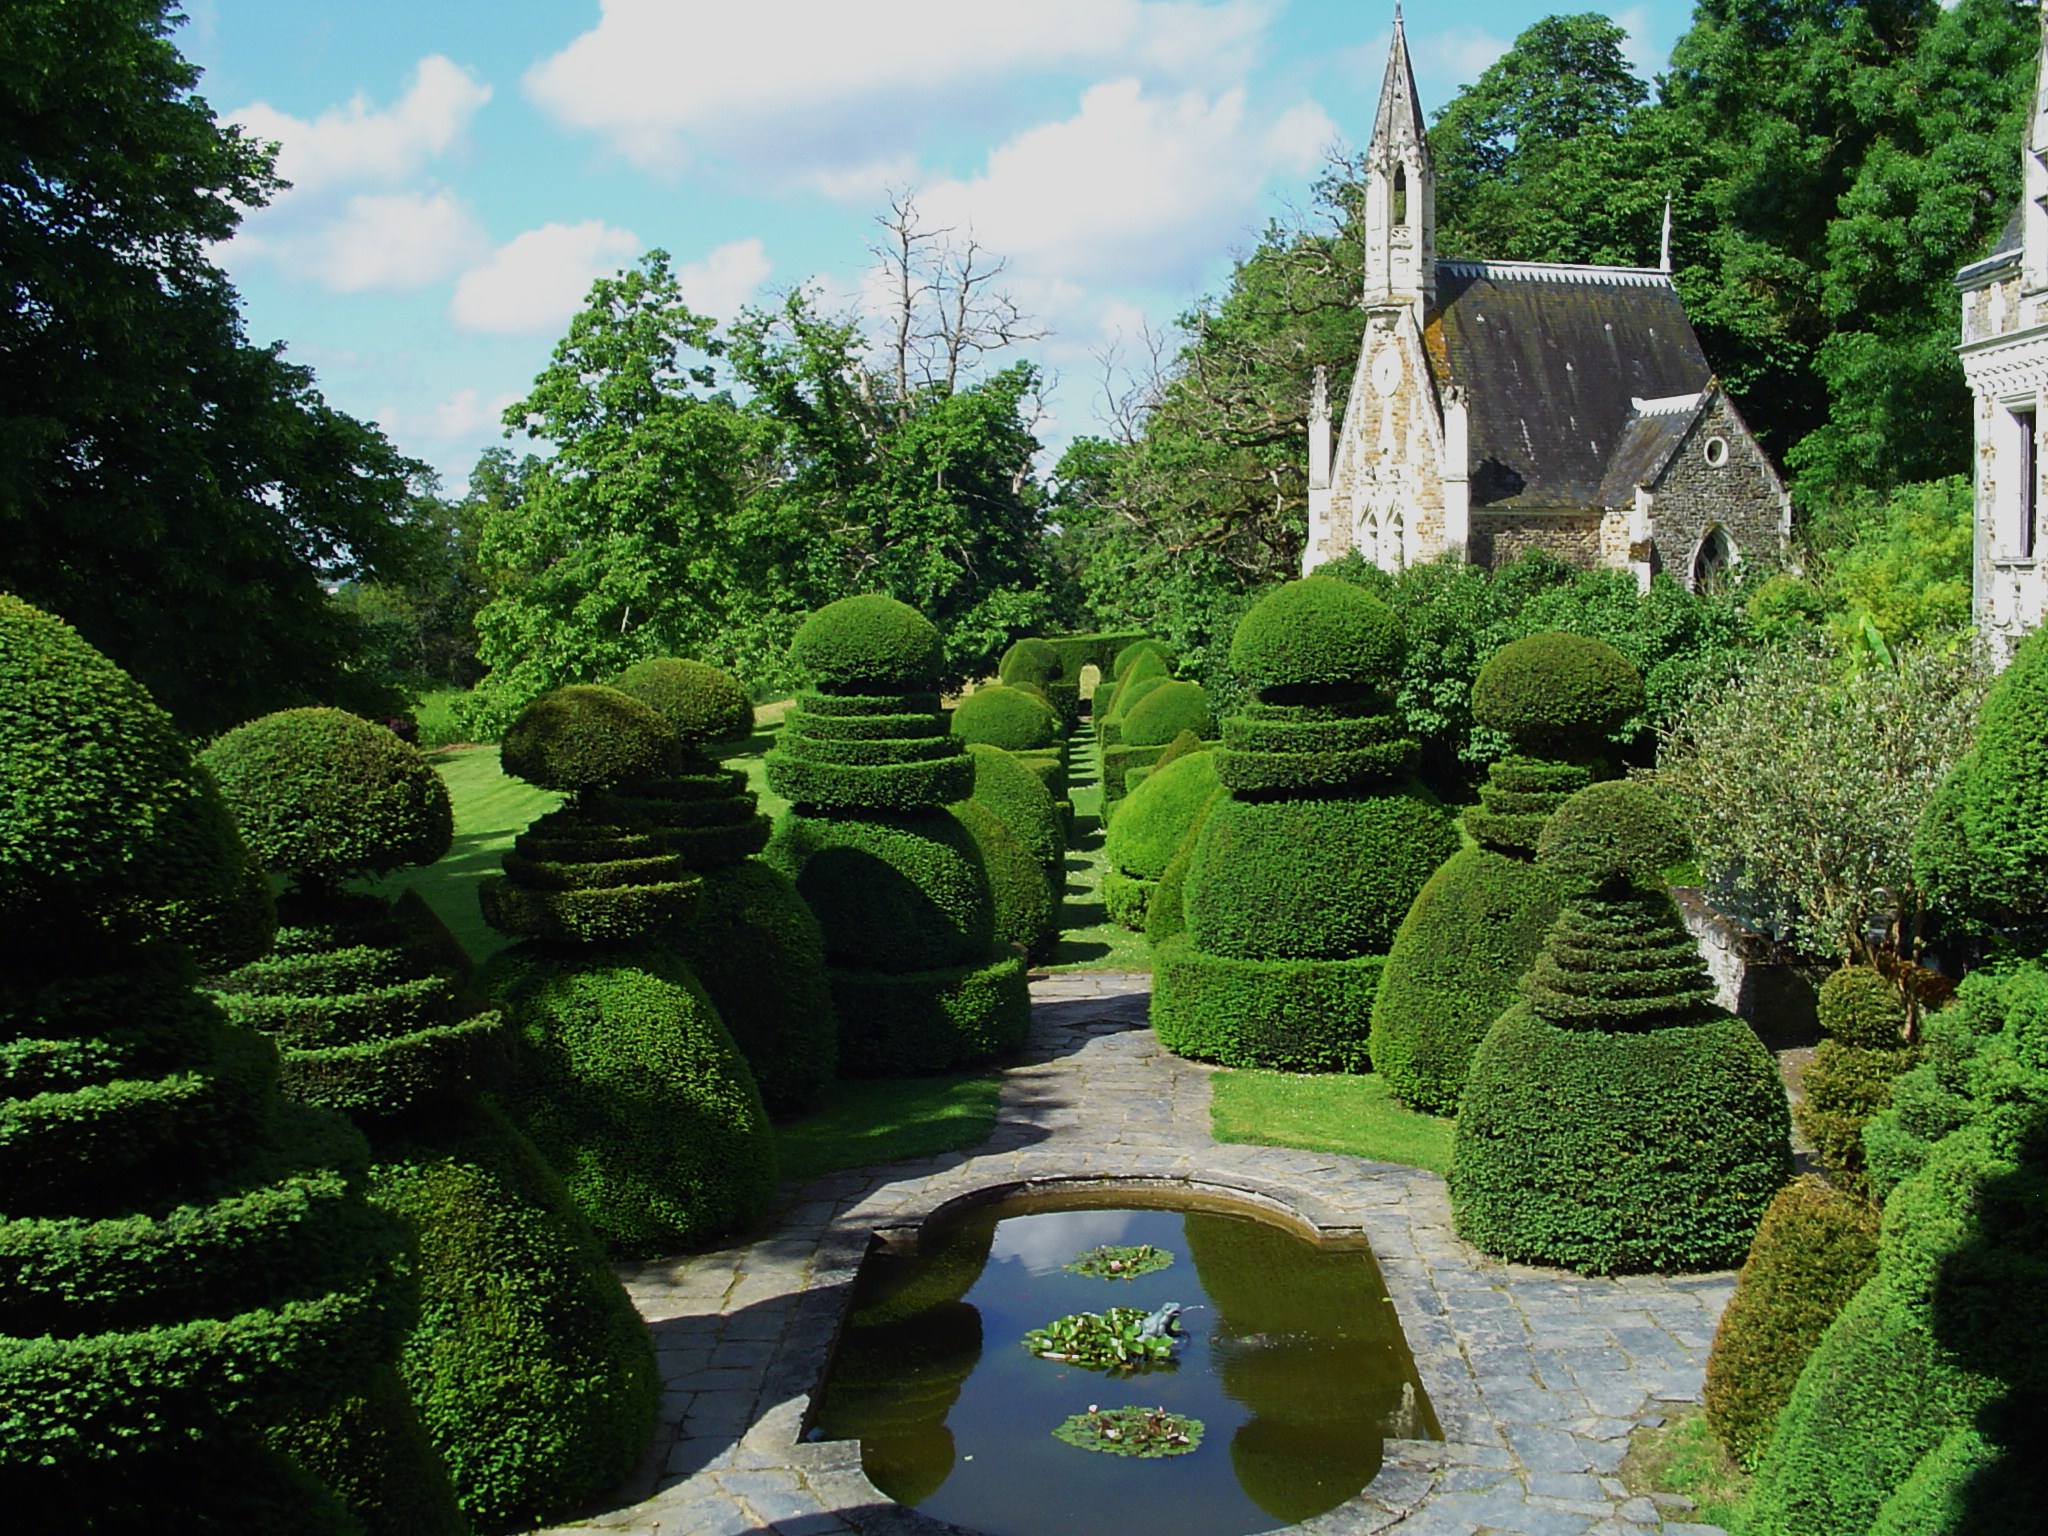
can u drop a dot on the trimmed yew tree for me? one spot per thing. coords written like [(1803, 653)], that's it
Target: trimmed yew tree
[(1616, 1119), (529, 1368), (899, 886), (187, 1257), (1478, 923), (1306, 866)]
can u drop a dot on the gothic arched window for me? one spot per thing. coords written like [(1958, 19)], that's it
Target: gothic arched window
[(1401, 196), (1711, 561)]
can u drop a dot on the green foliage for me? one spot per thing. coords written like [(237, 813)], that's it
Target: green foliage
[(853, 753), (1154, 819), (1128, 656), (1023, 912), (1317, 634), (582, 738), (1285, 1015), (574, 877), (1844, 1088), (1147, 670), (1120, 1261), (1101, 1341), (1859, 1006), (1813, 1251), (1282, 750), (180, 495), (1160, 715), (1609, 1150), (322, 795), (633, 1090), (1453, 967), (1557, 695), (374, 1455), (898, 893), (1019, 797), (1031, 661), (1902, 564), (1613, 834), (867, 644), (896, 1023), (1518, 799), (706, 709), (1166, 909), (1000, 715), (1141, 1432)]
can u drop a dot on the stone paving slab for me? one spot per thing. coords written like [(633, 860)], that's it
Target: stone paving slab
[(1536, 1375)]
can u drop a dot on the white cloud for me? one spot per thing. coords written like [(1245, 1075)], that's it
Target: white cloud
[(536, 281), (1644, 55), (467, 414), (392, 242), (725, 279), (1461, 53), (361, 144), (1135, 187), (646, 75)]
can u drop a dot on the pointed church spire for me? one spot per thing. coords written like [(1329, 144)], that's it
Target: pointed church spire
[(1400, 192), (1664, 260), (1399, 121)]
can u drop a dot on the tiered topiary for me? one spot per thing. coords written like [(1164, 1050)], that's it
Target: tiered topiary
[(898, 885), (1815, 1248), (1848, 1081), (1007, 717), (1615, 1119), (1142, 668), (1480, 920), (629, 1082), (1920, 1410), (1040, 664), (529, 1367), (1305, 868), (1148, 728), (188, 1257), (1147, 829), (751, 940)]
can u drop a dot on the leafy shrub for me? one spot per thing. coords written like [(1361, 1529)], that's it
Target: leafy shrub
[(1282, 1015), (902, 893), (1813, 1251), (1019, 796), (1031, 661), (1149, 671), (1281, 750), (1317, 633), (1007, 717), (705, 708), (1164, 712), (322, 795), (1612, 834), (1147, 828), (1844, 1088), (898, 1024), (870, 644), (1859, 1006), (1454, 965), (1556, 694), (1020, 895), (374, 1455), (1183, 745), (1166, 910), (573, 878), (1128, 655), (582, 738), (633, 1089), (1518, 798)]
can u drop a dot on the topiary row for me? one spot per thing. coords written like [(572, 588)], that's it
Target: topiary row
[(1304, 867), (1147, 829)]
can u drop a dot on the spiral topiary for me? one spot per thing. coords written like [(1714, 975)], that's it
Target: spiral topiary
[(898, 886), (1000, 715), (1615, 1119), (1304, 868), (1146, 830), (368, 1023), (189, 1254)]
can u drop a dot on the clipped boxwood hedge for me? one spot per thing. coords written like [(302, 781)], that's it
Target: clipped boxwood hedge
[(1165, 712), (1283, 1015), (1518, 797), (1127, 657), (867, 645), (1031, 661), (1146, 830), (1003, 716), (1317, 633), (1813, 1251), (900, 1024), (1017, 794), (1859, 1006), (1166, 912)]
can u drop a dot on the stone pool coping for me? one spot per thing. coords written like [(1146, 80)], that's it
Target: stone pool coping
[(1536, 1376)]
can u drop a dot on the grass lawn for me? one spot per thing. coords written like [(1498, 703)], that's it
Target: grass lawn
[(1684, 1457), (1089, 940), (881, 1120), (1332, 1112)]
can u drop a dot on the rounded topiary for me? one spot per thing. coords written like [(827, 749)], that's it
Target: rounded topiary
[(1006, 717), (633, 1089), (1164, 712), (1166, 910), (1557, 694), (322, 795), (1317, 633), (1019, 796), (908, 888), (1813, 1251), (1147, 829), (1616, 833), (1020, 896), (704, 707), (1127, 656), (1030, 661), (870, 644), (1147, 672), (582, 738), (1859, 1005)]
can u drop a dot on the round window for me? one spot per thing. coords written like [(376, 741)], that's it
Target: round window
[(1716, 451)]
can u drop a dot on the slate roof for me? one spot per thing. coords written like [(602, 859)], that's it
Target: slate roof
[(1652, 434), (1553, 358)]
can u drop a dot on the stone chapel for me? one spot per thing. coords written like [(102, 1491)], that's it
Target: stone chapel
[(1504, 406), (2005, 361)]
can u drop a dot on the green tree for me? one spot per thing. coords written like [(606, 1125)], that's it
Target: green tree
[(181, 496)]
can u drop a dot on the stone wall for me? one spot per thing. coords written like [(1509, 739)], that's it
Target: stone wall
[(1754, 978), (1742, 495), (1501, 538), (1388, 452)]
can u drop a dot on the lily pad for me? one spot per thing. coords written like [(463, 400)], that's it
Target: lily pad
[(1114, 1340), (1113, 1261), (1146, 1432)]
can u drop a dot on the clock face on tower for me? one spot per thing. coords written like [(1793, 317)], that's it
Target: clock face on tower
[(1386, 369)]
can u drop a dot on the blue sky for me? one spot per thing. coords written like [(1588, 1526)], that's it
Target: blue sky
[(463, 168)]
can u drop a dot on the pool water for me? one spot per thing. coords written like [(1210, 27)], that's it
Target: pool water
[(1294, 1362)]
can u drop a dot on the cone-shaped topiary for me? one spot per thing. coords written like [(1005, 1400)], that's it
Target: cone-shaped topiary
[(1005, 716), (1304, 869), (1848, 1080), (369, 1024), (1146, 830), (189, 1256), (1477, 926), (898, 886), (1615, 1119), (750, 939)]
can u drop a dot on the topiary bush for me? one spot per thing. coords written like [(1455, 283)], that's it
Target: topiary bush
[(1556, 694), (1031, 661), (1127, 656), (1813, 1251), (1166, 910), (1020, 798), (1020, 896), (1615, 1119), (573, 740), (704, 707), (1146, 830), (1002, 716), (1303, 869), (899, 887), (1165, 712), (1848, 1080), (189, 1255), (1859, 1006)]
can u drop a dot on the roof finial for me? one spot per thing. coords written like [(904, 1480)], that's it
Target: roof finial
[(1664, 261)]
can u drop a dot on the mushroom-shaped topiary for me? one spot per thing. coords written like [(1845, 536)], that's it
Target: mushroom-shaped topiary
[(1616, 1119), (1008, 717), (1557, 694), (188, 1253), (1304, 869), (871, 644), (705, 708), (578, 739)]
